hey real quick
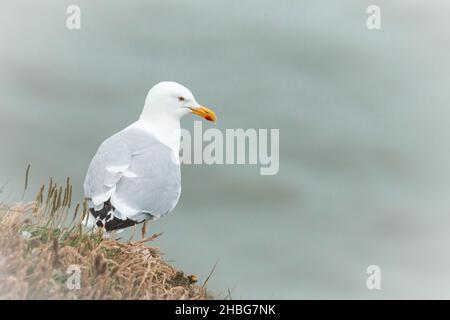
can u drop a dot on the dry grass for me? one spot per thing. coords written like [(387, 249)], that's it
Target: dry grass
[(41, 240)]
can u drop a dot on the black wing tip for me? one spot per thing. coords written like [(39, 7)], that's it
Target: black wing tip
[(103, 218)]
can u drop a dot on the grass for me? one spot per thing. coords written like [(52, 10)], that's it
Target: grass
[(46, 253)]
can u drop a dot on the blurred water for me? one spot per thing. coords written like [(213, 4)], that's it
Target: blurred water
[(363, 117)]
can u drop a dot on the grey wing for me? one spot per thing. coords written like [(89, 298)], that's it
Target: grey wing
[(107, 167), (152, 184), (137, 173)]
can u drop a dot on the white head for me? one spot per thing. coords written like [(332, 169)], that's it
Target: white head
[(171, 100), (166, 103)]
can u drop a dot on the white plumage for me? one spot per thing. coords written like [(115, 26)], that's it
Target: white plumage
[(135, 174)]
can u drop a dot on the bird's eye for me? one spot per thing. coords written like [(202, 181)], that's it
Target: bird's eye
[(180, 98)]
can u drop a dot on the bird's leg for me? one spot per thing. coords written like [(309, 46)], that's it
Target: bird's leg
[(132, 234), (144, 229)]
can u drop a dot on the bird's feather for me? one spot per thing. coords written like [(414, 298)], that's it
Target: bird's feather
[(136, 173)]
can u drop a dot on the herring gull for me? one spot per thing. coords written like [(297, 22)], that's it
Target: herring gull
[(135, 174)]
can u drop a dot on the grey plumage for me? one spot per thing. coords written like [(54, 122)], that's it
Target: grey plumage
[(136, 175)]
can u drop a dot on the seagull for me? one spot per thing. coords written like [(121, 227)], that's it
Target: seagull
[(135, 175)]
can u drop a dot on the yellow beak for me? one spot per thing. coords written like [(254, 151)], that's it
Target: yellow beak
[(204, 112)]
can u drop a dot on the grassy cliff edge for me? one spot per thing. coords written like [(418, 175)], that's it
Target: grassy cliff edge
[(45, 253)]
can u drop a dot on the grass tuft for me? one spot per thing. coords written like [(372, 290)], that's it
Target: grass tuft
[(43, 242)]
